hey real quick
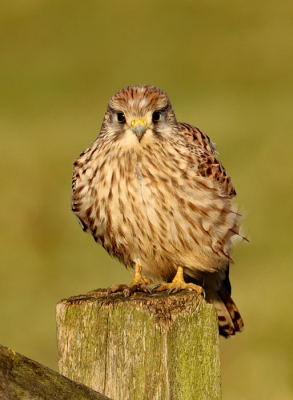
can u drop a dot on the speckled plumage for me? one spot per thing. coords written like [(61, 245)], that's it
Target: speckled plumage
[(162, 200)]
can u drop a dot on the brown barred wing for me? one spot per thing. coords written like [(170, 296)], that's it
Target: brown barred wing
[(208, 165), (78, 189), (194, 135)]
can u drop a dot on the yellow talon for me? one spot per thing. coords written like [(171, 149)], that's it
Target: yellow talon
[(139, 284), (178, 284)]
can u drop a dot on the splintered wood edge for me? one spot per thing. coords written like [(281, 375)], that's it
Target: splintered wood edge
[(161, 306)]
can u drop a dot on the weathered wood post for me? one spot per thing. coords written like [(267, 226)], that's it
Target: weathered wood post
[(24, 379), (144, 347)]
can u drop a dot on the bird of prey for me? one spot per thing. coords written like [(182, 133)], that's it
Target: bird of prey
[(151, 191)]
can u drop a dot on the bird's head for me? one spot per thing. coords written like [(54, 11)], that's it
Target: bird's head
[(139, 113)]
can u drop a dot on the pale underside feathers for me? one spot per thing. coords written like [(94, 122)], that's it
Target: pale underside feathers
[(151, 191)]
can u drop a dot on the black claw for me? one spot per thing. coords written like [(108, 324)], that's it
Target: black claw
[(126, 292), (116, 288), (146, 289), (172, 290), (109, 291), (155, 287)]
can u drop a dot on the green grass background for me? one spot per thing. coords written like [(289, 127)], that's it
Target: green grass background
[(228, 69)]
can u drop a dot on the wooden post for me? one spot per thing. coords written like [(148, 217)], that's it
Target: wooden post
[(143, 347), (25, 379)]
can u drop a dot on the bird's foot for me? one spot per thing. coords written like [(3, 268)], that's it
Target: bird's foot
[(174, 287), (178, 284), (140, 284)]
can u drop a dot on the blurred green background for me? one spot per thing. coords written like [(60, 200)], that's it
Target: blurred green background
[(228, 69)]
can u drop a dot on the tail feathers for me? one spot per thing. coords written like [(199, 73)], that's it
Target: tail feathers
[(230, 320)]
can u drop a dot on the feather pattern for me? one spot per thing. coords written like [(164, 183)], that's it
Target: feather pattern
[(162, 200)]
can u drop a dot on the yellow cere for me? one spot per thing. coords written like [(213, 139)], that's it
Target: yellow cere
[(136, 122)]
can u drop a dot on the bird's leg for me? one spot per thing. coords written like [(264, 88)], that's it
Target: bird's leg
[(177, 284), (139, 284)]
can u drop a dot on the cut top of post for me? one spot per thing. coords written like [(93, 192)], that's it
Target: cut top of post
[(142, 347)]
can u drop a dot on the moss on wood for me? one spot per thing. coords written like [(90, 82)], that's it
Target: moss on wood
[(144, 347), (25, 379)]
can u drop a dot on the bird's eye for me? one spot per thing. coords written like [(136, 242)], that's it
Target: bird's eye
[(121, 117), (156, 116)]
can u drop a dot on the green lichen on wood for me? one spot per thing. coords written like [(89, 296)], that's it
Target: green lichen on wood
[(143, 347), (195, 369), (25, 379)]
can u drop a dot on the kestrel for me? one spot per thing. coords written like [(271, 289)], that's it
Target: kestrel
[(151, 191)]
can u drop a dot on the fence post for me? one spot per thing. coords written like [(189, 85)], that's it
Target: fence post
[(144, 347), (24, 379)]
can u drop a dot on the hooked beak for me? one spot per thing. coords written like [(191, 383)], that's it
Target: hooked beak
[(139, 126)]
